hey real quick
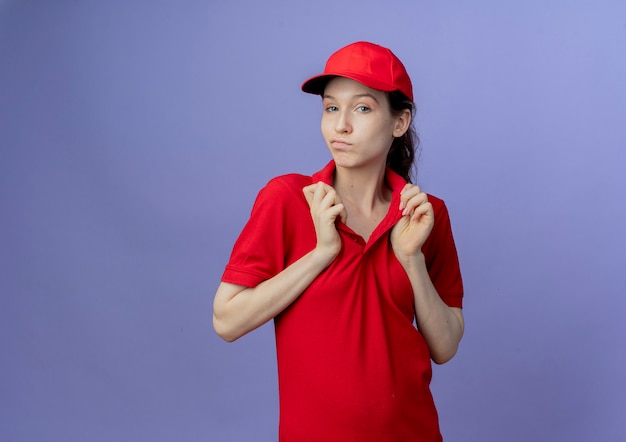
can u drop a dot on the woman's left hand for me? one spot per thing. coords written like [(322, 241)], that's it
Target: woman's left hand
[(410, 232)]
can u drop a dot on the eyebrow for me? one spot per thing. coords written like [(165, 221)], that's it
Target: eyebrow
[(354, 96)]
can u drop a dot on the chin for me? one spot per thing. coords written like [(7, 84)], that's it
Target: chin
[(341, 161)]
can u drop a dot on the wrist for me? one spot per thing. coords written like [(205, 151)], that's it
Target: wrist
[(410, 260), (323, 257)]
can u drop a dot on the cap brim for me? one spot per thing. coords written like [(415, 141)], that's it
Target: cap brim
[(317, 84)]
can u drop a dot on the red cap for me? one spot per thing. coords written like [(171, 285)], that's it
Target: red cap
[(368, 63)]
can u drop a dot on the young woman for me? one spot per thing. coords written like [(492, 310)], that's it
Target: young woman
[(346, 262)]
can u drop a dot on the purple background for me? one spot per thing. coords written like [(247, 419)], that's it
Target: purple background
[(134, 137)]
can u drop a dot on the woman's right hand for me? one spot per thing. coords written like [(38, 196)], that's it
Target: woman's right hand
[(325, 207)]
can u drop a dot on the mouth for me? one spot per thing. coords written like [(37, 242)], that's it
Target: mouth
[(339, 143)]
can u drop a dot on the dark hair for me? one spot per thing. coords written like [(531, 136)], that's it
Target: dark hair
[(402, 154)]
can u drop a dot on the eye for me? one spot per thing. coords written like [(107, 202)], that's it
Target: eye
[(363, 109), (331, 108)]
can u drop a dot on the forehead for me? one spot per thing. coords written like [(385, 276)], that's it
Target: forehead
[(341, 87)]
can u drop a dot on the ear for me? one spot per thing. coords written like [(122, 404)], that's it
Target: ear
[(403, 122)]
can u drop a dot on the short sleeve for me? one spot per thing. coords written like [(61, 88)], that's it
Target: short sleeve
[(263, 246), (442, 258)]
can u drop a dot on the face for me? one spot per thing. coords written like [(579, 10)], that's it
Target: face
[(357, 124)]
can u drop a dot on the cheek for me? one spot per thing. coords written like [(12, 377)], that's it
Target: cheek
[(384, 129), (325, 126)]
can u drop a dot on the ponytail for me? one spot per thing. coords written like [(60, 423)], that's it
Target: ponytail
[(402, 154)]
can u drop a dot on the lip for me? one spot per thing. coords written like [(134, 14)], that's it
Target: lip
[(339, 143)]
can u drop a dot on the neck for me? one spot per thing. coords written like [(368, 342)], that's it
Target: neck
[(362, 188)]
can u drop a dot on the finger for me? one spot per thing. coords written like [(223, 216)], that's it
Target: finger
[(330, 199), (335, 212), (308, 192), (319, 195), (325, 190), (414, 202), (343, 216), (423, 210), (332, 202), (330, 189), (408, 192), (406, 187)]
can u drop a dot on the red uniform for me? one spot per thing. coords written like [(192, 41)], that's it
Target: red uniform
[(351, 364)]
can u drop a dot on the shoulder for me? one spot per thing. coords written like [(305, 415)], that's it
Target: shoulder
[(441, 213), (439, 205), (288, 181), (284, 188)]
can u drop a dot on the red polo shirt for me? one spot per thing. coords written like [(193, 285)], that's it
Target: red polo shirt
[(351, 364)]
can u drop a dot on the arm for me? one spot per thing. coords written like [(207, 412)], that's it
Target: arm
[(441, 326), (238, 310)]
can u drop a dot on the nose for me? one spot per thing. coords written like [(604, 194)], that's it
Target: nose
[(342, 123)]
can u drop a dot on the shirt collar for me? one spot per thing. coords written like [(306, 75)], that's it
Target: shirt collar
[(395, 181)]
